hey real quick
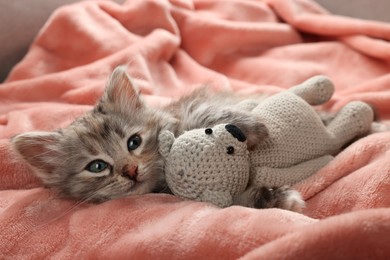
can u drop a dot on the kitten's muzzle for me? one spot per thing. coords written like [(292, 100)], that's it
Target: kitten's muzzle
[(130, 172)]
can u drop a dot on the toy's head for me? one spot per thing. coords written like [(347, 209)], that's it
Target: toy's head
[(211, 159)]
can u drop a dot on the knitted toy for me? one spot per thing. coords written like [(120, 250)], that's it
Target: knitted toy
[(214, 164)]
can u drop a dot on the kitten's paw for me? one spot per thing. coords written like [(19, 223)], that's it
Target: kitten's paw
[(253, 128), (281, 197), (292, 200)]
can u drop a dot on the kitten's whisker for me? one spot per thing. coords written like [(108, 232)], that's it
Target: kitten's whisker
[(74, 206)]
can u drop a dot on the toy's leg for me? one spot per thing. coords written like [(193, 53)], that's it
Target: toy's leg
[(267, 176), (315, 91), (221, 199), (353, 120), (379, 128)]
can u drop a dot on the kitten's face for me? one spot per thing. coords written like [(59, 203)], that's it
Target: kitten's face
[(110, 152)]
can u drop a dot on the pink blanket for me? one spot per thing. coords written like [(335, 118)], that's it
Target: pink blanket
[(172, 47)]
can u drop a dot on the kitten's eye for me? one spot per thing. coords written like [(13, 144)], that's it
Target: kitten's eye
[(230, 150), (134, 142), (97, 166)]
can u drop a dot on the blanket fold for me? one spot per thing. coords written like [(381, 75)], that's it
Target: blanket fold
[(171, 48)]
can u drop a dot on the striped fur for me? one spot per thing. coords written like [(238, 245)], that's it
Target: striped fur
[(60, 158)]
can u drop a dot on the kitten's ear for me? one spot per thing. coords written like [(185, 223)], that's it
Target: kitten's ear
[(121, 91), (39, 149), (166, 140)]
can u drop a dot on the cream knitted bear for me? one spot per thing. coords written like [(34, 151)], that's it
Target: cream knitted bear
[(214, 164)]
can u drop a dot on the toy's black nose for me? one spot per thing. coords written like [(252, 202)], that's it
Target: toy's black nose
[(236, 132)]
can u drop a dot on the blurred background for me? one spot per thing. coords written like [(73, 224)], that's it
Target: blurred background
[(20, 21)]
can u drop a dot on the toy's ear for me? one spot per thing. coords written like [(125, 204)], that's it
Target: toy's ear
[(166, 140)]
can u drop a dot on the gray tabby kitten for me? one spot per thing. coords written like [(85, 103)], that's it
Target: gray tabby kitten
[(112, 151)]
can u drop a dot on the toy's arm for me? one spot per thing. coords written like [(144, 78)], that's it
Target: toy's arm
[(316, 90), (267, 176), (165, 139), (219, 198)]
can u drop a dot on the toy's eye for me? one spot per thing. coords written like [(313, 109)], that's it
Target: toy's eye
[(97, 166), (134, 142), (230, 150), (208, 131)]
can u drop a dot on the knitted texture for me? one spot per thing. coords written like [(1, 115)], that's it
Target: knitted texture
[(298, 139), (200, 163), (200, 167)]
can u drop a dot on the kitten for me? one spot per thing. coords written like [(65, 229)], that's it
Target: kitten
[(112, 151)]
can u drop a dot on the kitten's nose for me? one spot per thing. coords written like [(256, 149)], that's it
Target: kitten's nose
[(130, 172)]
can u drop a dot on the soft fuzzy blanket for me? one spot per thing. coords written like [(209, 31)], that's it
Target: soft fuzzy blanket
[(172, 47)]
